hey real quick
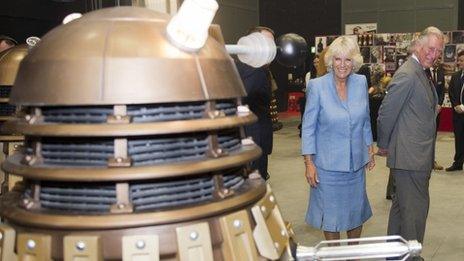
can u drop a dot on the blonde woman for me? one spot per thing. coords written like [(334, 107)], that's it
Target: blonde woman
[(337, 143)]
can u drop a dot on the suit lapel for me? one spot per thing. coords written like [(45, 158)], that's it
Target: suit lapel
[(426, 83), (350, 91), (333, 87)]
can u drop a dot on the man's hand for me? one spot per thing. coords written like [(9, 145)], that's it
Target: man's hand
[(382, 152), (371, 164), (458, 109)]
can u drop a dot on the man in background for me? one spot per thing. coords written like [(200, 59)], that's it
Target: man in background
[(257, 82), (455, 92), (438, 78)]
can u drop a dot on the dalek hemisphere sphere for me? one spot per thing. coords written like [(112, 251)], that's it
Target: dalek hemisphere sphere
[(122, 56)]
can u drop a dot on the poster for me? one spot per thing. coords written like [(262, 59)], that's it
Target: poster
[(381, 39), (366, 54), (321, 43), (449, 53), (457, 37), (459, 48), (376, 54), (367, 28), (400, 59), (389, 54)]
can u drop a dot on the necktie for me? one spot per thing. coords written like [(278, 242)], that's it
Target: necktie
[(434, 74), (428, 74)]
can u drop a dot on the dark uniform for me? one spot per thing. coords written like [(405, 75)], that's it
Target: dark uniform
[(258, 88)]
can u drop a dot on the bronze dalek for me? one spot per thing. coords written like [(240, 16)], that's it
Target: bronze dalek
[(9, 64), (134, 150)]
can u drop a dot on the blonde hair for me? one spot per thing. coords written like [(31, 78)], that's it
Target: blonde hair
[(344, 46)]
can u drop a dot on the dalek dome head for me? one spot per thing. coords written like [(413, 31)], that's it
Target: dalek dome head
[(122, 55), (9, 63)]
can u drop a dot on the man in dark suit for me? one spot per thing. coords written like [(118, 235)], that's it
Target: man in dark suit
[(257, 84), (406, 135), (438, 77), (456, 97)]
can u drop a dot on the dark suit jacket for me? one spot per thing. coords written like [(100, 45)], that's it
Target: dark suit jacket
[(258, 88), (454, 91)]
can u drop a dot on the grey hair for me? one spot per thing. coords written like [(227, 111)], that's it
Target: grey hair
[(344, 46), (429, 31)]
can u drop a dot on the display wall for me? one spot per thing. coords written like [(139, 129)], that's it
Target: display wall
[(390, 50)]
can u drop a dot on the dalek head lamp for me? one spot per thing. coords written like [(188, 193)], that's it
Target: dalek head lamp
[(188, 29)]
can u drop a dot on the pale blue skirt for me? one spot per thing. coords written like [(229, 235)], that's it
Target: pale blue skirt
[(339, 202)]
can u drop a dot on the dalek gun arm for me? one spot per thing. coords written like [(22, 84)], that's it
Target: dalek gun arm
[(254, 49), (257, 50), (361, 248)]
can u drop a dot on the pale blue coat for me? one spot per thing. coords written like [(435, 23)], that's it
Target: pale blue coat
[(337, 134)]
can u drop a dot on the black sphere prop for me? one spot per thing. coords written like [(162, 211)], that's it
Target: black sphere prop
[(291, 50)]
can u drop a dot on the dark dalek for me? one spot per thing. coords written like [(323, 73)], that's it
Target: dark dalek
[(134, 150), (9, 64)]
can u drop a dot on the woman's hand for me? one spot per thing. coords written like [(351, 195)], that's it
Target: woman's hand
[(311, 172), (371, 164), (311, 175)]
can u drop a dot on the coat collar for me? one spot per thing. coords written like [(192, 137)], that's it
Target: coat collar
[(349, 89), (426, 83)]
